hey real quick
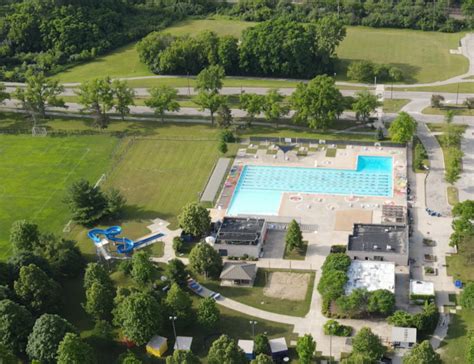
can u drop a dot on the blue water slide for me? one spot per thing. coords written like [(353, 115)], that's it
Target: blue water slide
[(124, 245)]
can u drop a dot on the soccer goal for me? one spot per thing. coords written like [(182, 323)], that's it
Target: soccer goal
[(39, 131)]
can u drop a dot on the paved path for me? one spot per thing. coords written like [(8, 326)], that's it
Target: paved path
[(436, 198), (465, 184)]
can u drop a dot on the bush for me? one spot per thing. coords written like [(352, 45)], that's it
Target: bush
[(332, 327), (227, 136), (178, 245), (436, 101)]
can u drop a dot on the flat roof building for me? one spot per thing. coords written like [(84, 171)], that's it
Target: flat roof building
[(238, 236), (183, 343), (379, 242), (371, 275), (247, 346), (421, 291), (403, 337)]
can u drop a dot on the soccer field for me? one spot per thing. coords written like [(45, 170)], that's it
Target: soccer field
[(35, 173), (423, 56)]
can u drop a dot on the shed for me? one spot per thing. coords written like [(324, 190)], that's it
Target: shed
[(157, 346), (238, 274), (183, 343), (247, 347), (278, 348), (403, 337)]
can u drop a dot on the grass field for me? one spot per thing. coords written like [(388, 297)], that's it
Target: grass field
[(454, 348), (423, 56), (394, 105), (34, 175), (461, 265), (458, 110), (466, 87), (453, 195)]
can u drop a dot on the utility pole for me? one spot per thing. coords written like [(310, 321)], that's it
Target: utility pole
[(173, 319), (253, 323), (457, 94)]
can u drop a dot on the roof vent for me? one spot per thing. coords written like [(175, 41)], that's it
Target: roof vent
[(389, 247), (376, 247)]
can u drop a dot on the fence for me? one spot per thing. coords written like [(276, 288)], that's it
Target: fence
[(277, 140)]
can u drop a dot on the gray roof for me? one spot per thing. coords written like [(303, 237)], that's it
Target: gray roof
[(384, 238), (403, 334), (235, 271)]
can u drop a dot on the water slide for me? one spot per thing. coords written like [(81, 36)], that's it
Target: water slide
[(124, 245)]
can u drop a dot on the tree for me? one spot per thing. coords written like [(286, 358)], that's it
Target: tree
[(210, 79), (24, 258), (467, 296), (86, 202), (453, 165), (469, 103), (422, 353), (163, 99), (261, 344), (332, 327), (139, 316), (116, 202), (228, 53), (354, 304), (224, 116), (24, 235), (72, 349), (305, 347), (225, 350), (262, 359), (365, 104), (222, 147), (39, 92), (129, 358), (365, 342), (37, 291), (43, 342), (437, 101), (203, 259), (3, 94), (99, 301), (208, 315), (96, 272), (210, 100), (362, 71), (464, 209), (179, 304), (253, 104), (176, 272), (381, 301), (15, 325), (182, 357), (318, 103), (6, 356), (294, 236), (124, 96), (97, 96), (331, 285), (274, 107), (402, 128), (336, 261), (357, 358), (142, 267), (63, 255), (194, 219)]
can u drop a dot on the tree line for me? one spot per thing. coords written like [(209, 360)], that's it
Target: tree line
[(421, 14), (278, 47)]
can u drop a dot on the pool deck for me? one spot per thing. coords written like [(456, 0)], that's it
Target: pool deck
[(308, 206)]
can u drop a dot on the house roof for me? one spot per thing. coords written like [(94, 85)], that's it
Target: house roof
[(278, 345), (403, 334), (157, 342), (246, 346), (235, 271), (183, 343)]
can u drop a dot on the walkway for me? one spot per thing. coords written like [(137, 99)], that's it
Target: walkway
[(465, 184)]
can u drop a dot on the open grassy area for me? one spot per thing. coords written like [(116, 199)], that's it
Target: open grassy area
[(453, 195), (394, 105), (465, 87), (297, 253), (458, 109), (438, 127), (461, 265), (456, 344), (254, 296), (35, 173), (423, 56)]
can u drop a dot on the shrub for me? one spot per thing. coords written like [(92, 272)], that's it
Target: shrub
[(227, 136), (178, 245), (332, 327)]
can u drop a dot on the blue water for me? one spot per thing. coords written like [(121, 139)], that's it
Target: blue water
[(260, 188)]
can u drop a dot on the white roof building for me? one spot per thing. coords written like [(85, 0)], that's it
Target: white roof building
[(422, 288), (404, 337), (278, 345), (371, 275), (183, 343)]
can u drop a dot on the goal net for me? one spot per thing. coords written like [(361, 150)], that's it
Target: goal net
[(39, 131)]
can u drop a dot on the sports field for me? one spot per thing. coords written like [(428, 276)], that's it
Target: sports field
[(35, 172), (423, 55)]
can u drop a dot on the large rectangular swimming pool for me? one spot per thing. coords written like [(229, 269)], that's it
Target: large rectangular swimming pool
[(260, 188)]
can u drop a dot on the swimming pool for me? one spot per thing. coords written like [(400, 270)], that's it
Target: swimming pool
[(260, 188)]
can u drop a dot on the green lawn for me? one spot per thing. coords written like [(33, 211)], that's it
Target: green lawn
[(254, 296), (453, 195), (466, 87), (461, 265), (35, 173), (454, 348), (297, 253), (394, 105), (423, 56), (439, 127), (458, 109)]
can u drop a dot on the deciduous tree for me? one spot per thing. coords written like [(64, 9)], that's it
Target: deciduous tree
[(163, 99), (274, 107), (182, 357), (262, 359), (194, 219), (203, 259), (225, 350), (96, 272), (209, 100), (97, 96), (365, 342), (253, 104), (179, 304), (403, 128), (224, 116), (222, 147), (210, 79), (305, 347), (24, 235), (261, 344), (422, 353), (176, 272), (124, 97), (99, 301), (467, 296), (15, 325), (72, 349), (142, 267), (208, 315), (365, 104)]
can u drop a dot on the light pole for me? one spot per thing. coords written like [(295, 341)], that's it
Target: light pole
[(331, 329), (253, 323), (173, 319)]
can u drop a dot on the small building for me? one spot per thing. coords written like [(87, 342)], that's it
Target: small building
[(238, 236), (379, 242), (421, 291), (238, 274), (370, 275), (247, 346), (157, 346), (278, 348), (403, 337), (183, 343)]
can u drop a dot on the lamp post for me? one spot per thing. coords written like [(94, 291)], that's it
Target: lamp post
[(173, 319), (253, 323), (331, 329)]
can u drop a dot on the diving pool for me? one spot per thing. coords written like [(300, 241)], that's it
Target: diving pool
[(260, 188)]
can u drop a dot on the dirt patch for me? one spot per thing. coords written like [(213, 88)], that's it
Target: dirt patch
[(287, 286)]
